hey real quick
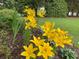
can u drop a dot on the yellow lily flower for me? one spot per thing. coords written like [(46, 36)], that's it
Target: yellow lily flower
[(29, 51), (47, 26), (30, 17), (31, 24), (45, 51), (37, 41), (30, 11), (61, 38)]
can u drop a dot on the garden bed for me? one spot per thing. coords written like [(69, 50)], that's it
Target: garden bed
[(19, 35)]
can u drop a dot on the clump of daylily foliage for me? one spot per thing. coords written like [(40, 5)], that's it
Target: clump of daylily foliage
[(41, 46)]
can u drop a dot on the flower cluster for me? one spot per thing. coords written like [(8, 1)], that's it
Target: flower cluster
[(30, 19), (60, 37), (41, 48)]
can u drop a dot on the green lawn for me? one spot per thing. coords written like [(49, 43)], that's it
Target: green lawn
[(69, 24)]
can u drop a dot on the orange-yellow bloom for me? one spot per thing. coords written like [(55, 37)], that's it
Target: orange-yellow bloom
[(61, 38), (47, 26), (30, 18), (37, 41), (45, 51), (30, 11), (48, 29), (31, 24), (29, 51)]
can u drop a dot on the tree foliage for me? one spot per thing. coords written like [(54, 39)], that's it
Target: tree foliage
[(56, 8)]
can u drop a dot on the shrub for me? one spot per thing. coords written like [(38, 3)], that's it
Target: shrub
[(9, 3), (10, 20), (49, 9), (19, 4), (4, 47), (57, 8), (6, 16), (67, 53)]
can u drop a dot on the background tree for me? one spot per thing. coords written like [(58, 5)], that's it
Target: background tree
[(73, 5), (56, 8)]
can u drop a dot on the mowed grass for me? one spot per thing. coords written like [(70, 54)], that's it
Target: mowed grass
[(68, 24)]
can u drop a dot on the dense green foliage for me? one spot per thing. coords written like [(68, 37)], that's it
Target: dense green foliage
[(49, 8), (4, 47), (60, 8), (20, 4), (10, 20), (73, 5), (67, 53), (57, 8)]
